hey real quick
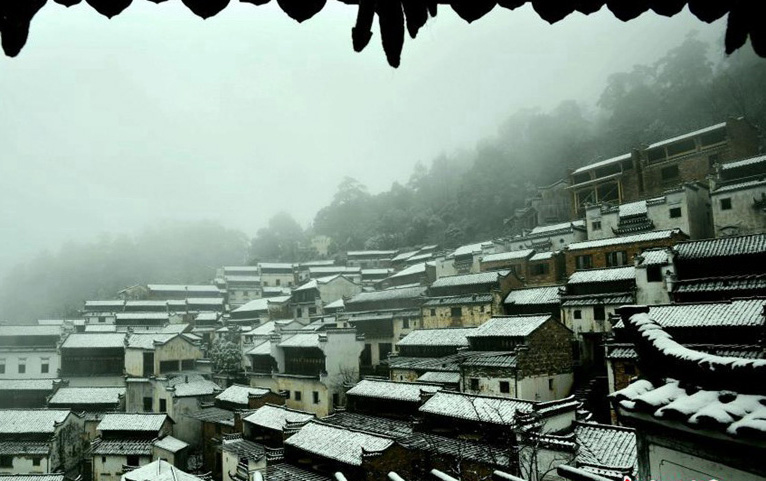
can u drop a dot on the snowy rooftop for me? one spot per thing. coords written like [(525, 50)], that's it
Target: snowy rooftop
[(33, 477), (157, 316), (411, 270), (26, 384), (473, 248), (261, 305), (22, 421), (388, 294), (602, 163), (721, 247), (132, 422), (470, 279), (337, 443), (196, 387), (88, 395), (94, 340), (610, 274), (148, 341), (632, 209), (748, 184), (606, 447), (239, 394), (159, 471), (688, 135), (759, 159), (509, 326), (534, 295), (458, 300), (335, 304), (440, 377), (30, 330), (437, 337), (722, 284), (735, 313), (371, 253), (330, 270), (475, 408), (301, 340), (542, 256), (288, 472), (180, 287), (653, 257), (545, 230), (631, 239), (169, 443), (403, 256), (275, 417), (508, 256), (242, 279), (396, 391)]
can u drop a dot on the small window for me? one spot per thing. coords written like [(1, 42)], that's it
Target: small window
[(584, 262), (474, 384), (279, 282), (654, 274), (405, 323), (299, 312), (35, 461), (335, 399), (675, 212), (132, 460), (630, 369), (316, 397), (287, 394), (578, 314), (599, 313), (6, 461), (481, 308), (44, 366), (433, 312), (456, 311), (2, 366), (297, 395), (22, 366), (669, 173), (312, 311), (616, 259), (103, 459), (148, 405), (101, 319), (726, 203), (505, 387), (163, 408), (596, 225), (540, 269), (550, 384)]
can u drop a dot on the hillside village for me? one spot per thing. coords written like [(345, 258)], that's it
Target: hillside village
[(619, 334)]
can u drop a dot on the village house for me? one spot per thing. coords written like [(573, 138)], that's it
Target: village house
[(157, 354), (102, 311), (648, 171), (371, 277), (545, 269), (549, 237), (93, 359), (515, 261), (416, 274), (370, 259), (302, 268), (467, 310), (697, 416), (29, 352), (241, 283), (655, 274), (311, 368), (241, 459), (40, 441), (686, 207), (466, 258), (717, 269), (547, 205), (141, 319), (495, 282), (590, 297), (525, 357), (214, 423), (428, 350), (308, 299), (394, 298), (26, 393), (738, 197), (164, 292), (534, 300), (399, 261), (381, 330), (81, 399), (617, 251), (159, 470), (260, 311), (241, 397), (388, 398), (267, 424), (275, 274)]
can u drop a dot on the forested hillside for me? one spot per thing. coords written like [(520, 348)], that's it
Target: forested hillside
[(465, 197)]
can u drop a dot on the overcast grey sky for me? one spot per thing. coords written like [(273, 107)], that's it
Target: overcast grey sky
[(110, 125)]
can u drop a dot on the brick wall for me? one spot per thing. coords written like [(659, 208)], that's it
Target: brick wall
[(599, 254), (550, 351)]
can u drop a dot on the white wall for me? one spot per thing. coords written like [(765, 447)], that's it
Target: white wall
[(110, 469), (25, 464), (652, 293), (536, 388), (742, 218), (33, 362), (666, 463)]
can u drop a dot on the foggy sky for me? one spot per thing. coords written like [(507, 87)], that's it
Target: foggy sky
[(111, 125)]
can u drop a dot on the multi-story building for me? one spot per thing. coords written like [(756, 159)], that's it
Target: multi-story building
[(275, 274), (29, 352), (466, 258), (370, 259), (308, 300), (158, 354), (534, 300), (738, 197), (180, 291), (549, 237), (89, 359)]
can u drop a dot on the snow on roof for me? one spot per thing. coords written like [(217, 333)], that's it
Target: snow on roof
[(437, 337), (94, 340), (470, 279), (212, 301), (735, 313), (194, 388), (132, 422), (301, 340), (105, 303), (88, 395), (721, 247), (609, 274), (256, 305), (240, 269), (275, 266), (612, 241), (33, 477), (122, 447), (534, 295), (169, 443), (262, 349), (374, 253), (758, 159), (160, 316), (311, 284), (687, 135), (542, 256), (458, 300), (751, 283), (334, 270), (748, 184), (24, 421), (397, 391), (509, 326), (606, 447), (239, 394), (288, 472), (543, 230), (243, 279), (633, 208), (653, 257), (100, 328), (388, 294), (403, 256), (50, 322), (602, 163), (275, 417), (508, 256), (147, 341), (30, 330), (337, 443), (26, 384), (411, 270), (182, 287), (475, 408), (159, 471), (440, 377), (335, 304), (607, 299), (476, 248)]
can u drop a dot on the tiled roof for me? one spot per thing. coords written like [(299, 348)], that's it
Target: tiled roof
[(606, 447), (169, 443), (159, 316), (371, 316), (602, 163), (743, 163), (534, 296), (722, 284), (736, 313), (243, 448), (392, 428), (339, 304), (337, 443), (197, 387), (239, 394), (88, 395), (490, 359), (388, 294), (262, 349), (609, 274), (610, 299), (21, 421), (371, 253), (288, 472), (12, 448), (631, 239), (545, 230), (461, 449), (263, 330), (744, 351), (458, 300), (275, 417), (437, 337), (746, 184), (440, 377), (115, 303), (180, 287), (329, 270), (26, 384), (509, 326), (652, 257), (159, 471), (721, 247), (136, 447), (100, 328), (508, 256), (147, 341), (440, 364), (411, 270), (94, 340), (397, 391), (260, 305), (632, 209), (542, 256), (470, 279), (214, 415), (301, 340), (472, 248), (31, 477), (403, 256), (132, 422), (30, 330), (475, 408), (243, 279)]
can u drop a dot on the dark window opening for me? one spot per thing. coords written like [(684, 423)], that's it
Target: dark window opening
[(599, 313), (456, 311), (474, 384), (298, 395), (505, 387), (654, 274), (584, 262), (675, 212), (578, 314), (405, 323), (540, 269), (596, 225), (35, 461), (726, 203), (655, 155), (148, 404), (550, 384), (629, 369), (44, 367), (616, 259), (163, 405), (316, 397), (433, 312), (681, 147), (669, 173), (132, 460), (714, 137)]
